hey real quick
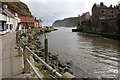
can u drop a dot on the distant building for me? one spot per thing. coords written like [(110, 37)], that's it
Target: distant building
[(27, 22), (102, 16), (101, 11), (84, 17), (38, 23)]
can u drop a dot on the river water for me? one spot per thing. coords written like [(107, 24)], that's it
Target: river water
[(90, 56)]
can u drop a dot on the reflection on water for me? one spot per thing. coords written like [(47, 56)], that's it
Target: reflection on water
[(90, 55)]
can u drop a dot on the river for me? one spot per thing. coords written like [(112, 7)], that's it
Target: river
[(90, 56)]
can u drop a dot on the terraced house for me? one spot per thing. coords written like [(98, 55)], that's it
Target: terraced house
[(2, 21), (8, 20)]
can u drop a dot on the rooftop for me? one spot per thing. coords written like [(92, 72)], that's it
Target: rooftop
[(27, 19)]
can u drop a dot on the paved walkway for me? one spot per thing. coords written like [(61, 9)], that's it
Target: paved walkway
[(0, 57), (11, 62)]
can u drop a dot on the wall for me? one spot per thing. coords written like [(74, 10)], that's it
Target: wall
[(109, 26), (103, 11)]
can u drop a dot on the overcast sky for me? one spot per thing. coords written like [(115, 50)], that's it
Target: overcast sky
[(51, 10)]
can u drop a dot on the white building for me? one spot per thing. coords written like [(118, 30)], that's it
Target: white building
[(3, 19), (8, 21)]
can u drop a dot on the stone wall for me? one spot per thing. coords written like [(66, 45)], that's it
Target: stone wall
[(109, 26), (106, 26), (102, 11)]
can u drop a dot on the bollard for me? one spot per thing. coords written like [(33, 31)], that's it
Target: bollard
[(26, 55), (46, 50), (67, 76), (16, 36), (20, 52)]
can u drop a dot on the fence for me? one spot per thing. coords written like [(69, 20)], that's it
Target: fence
[(25, 51)]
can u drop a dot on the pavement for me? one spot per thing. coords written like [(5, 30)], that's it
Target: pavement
[(10, 62), (0, 57)]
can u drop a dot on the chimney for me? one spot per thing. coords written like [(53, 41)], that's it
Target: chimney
[(101, 4), (5, 6), (16, 15), (119, 4), (111, 6)]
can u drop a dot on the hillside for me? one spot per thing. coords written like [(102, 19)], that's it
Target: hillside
[(67, 22), (19, 7)]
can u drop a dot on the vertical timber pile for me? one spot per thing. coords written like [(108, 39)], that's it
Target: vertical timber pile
[(46, 49), (26, 55)]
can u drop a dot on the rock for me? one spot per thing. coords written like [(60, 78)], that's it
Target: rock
[(67, 22), (19, 7)]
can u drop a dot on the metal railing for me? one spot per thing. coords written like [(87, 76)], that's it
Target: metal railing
[(26, 52)]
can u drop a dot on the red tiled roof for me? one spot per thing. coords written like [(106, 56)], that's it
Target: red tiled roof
[(27, 19)]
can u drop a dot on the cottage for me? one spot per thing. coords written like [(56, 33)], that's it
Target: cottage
[(38, 23), (2, 21), (8, 20), (83, 18), (27, 22)]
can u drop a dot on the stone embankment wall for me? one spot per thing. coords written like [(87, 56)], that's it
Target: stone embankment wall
[(109, 27)]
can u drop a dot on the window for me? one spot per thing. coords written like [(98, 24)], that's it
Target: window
[(4, 25), (7, 26), (0, 10), (1, 26), (11, 26), (103, 11), (112, 12)]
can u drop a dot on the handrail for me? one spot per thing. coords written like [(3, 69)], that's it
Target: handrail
[(25, 50), (22, 42), (35, 71), (45, 64)]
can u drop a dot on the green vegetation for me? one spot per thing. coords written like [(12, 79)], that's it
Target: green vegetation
[(30, 39), (46, 73)]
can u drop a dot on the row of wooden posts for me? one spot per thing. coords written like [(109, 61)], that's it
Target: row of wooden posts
[(24, 50)]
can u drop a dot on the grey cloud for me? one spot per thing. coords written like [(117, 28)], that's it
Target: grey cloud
[(51, 11)]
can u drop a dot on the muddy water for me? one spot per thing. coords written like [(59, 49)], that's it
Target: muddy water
[(89, 55)]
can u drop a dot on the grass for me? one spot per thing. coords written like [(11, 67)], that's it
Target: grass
[(44, 72)]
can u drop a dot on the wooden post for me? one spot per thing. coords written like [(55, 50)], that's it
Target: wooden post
[(46, 50), (16, 36), (26, 55), (18, 44), (19, 48)]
